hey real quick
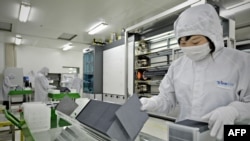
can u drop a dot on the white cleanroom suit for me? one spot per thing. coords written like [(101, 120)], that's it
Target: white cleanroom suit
[(41, 85), (77, 83), (7, 85), (216, 87)]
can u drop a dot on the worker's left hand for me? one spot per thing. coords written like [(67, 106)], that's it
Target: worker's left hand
[(218, 118)]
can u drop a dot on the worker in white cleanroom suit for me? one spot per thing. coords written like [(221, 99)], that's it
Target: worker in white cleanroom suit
[(32, 75), (209, 82), (77, 83), (41, 85), (7, 86)]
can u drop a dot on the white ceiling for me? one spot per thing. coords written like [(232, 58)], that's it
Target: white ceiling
[(50, 18)]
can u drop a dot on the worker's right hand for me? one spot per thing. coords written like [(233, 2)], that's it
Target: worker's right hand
[(147, 104), (218, 118)]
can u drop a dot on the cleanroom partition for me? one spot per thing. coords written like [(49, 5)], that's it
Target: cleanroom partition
[(114, 70)]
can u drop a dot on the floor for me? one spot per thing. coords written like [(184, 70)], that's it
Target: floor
[(6, 135)]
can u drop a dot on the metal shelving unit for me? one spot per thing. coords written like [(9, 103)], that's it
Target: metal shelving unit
[(157, 53), (152, 59)]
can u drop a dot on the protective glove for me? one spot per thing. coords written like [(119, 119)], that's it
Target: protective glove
[(147, 104), (218, 118)]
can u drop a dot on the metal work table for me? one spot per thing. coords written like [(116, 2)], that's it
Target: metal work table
[(12, 128), (4, 122), (26, 134), (65, 133), (26, 93), (61, 130), (153, 130)]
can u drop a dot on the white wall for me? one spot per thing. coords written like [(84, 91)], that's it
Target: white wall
[(1, 67), (34, 58), (114, 68)]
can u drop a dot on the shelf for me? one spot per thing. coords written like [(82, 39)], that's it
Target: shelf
[(149, 82), (147, 94), (149, 74), (160, 40), (157, 54), (165, 46), (159, 47), (154, 68)]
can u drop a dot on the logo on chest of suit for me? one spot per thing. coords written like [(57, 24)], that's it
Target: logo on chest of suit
[(224, 84)]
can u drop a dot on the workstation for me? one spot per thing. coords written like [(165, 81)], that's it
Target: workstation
[(124, 70)]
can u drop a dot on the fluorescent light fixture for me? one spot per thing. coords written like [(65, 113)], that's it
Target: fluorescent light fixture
[(67, 46), (24, 12), (97, 28), (18, 40)]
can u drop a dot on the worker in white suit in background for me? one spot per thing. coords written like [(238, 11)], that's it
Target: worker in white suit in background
[(77, 83), (7, 86), (209, 82), (42, 85), (32, 75)]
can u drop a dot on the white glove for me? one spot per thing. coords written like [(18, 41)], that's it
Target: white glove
[(218, 118), (147, 104)]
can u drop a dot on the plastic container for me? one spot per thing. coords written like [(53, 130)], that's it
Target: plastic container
[(37, 116), (189, 130)]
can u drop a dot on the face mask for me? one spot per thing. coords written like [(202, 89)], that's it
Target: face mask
[(197, 53)]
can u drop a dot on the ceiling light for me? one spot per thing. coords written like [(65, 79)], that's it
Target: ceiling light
[(18, 40), (97, 28), (67, 46), (24, 12)]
